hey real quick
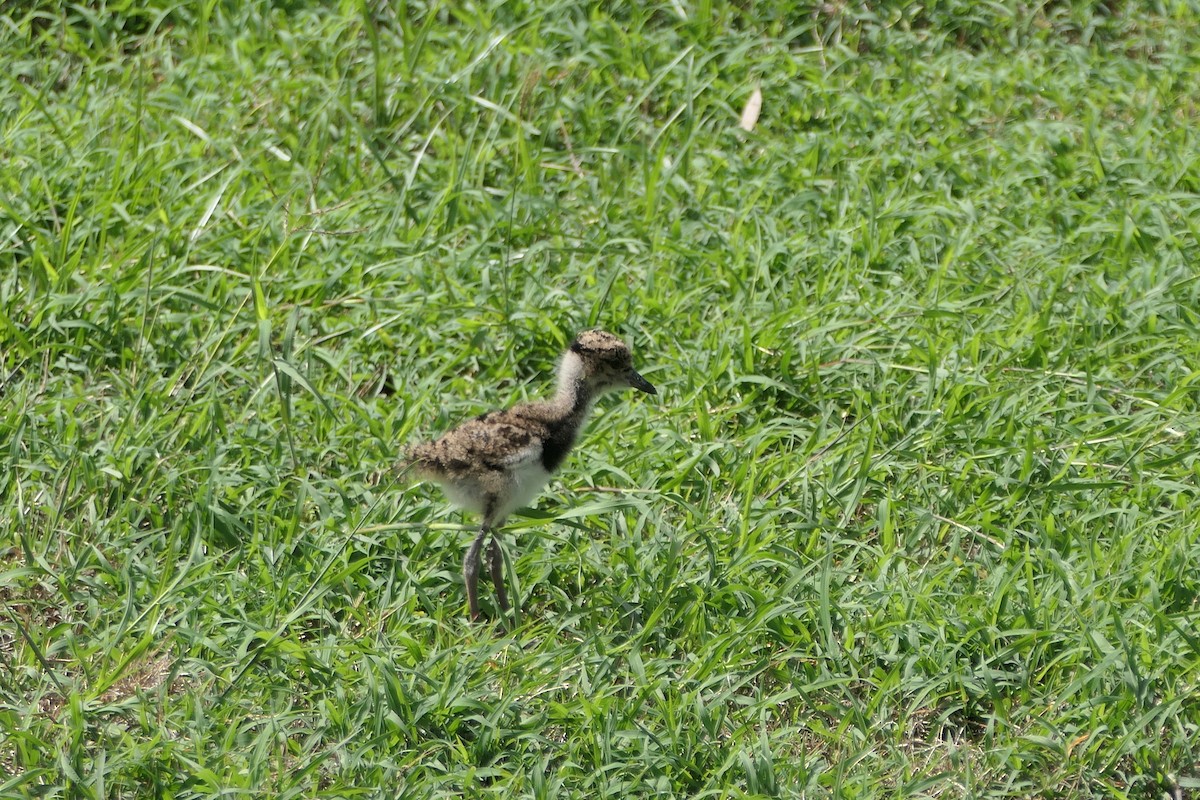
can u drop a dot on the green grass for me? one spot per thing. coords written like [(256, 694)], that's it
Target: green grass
[(914, 515)]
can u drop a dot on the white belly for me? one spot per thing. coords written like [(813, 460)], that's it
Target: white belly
[(528, 479), (523, 483)]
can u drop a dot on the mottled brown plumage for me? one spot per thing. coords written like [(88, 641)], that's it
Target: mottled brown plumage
[(497, 462)]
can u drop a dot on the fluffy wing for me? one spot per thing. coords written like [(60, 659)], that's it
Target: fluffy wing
[(495, 441)]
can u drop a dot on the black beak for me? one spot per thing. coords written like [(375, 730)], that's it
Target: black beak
[(640, 383)]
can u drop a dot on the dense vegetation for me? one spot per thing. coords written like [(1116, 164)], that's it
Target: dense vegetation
[(914, 515)]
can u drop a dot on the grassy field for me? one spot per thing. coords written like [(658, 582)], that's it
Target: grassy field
[(915, 513)]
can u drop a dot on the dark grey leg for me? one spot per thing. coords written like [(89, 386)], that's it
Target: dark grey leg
[(471, 571), (496, 566)]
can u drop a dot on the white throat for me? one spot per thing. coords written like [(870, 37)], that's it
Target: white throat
[(574, 393)]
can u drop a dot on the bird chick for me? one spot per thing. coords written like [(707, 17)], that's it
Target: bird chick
[(499, 461)]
